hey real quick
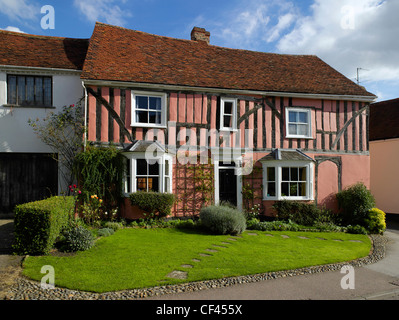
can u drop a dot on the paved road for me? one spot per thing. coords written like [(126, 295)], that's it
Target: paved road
[(379, 281)]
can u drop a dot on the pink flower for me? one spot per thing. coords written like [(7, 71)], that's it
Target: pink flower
[(79, 192)]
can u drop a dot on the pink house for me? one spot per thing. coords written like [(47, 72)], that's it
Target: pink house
[(228, 125)]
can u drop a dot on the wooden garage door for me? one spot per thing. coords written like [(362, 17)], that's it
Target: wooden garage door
[(26, 177)]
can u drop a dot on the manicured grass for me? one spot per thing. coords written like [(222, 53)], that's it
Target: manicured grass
[(134, 258)]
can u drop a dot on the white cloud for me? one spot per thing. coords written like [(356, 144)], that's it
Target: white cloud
[(14, 29), (19, 10), (349, 34), (105, 10)]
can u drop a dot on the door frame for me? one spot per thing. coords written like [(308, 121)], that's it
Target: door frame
[(237, 159)]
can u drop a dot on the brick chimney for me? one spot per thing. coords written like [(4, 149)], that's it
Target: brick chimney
[(200, 34)]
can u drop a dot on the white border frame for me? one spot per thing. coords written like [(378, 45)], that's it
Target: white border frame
[(298, 136), (279, 165), (161, 95)]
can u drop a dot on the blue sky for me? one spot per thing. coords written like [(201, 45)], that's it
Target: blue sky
[(347, 34)]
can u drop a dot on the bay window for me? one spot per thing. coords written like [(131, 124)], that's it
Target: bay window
[(291, 180), (144, 174)]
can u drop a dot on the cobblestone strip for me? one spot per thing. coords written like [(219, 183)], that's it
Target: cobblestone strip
[(25, 289)]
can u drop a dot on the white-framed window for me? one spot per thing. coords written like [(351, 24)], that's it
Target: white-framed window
[(144, 174), (148, 109), (292, 180), (228, 114), (298, 122)]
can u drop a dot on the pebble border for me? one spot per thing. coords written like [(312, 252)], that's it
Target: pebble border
[(25, 289)]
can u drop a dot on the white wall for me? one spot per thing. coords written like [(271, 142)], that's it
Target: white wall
[(384, 174), (15, 133)]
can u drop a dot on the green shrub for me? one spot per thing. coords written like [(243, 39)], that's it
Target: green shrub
[(39, 223), (356, 229), (223, 220), (305, 214), (355, 203), (115, 226), (274, 226), (375, 221), (156, 204), (77, 239), (105, 232)]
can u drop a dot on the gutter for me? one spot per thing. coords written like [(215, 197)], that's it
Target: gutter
[(152, 86)]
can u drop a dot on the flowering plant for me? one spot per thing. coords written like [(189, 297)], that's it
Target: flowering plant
[(92, 210)]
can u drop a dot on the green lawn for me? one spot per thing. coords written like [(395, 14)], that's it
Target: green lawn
[(134, 258)]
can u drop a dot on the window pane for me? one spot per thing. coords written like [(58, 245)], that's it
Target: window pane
[(302, 189), (292, 116), (286, 174), (303, 117), (284, 189), (21, 89), (167, 184), (154, 117), (141, 184), (141, 102), (271, 174), (228, 108), (271, 189), (166, 167), (294, 174), (302, 174), (141, 168), (39, 91), (155, 103), (30, 90), (227, 121), (153, 184), (302, 129), (12, 90), (47, 92), (292, 128), (293, 189), (142, 116), (153, 169), (127, 176)]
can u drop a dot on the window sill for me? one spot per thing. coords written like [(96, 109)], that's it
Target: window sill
[(287, 198), (228, 130), (27, 107), (148, 125), (299, 137)]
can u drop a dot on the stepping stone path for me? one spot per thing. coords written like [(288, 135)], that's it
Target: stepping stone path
[(177, 274)]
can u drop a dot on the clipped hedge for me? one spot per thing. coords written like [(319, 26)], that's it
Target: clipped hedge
[(39, 223), (155, 203), (223, 220)]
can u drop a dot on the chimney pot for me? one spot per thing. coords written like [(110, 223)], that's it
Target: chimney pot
[(200, 34)]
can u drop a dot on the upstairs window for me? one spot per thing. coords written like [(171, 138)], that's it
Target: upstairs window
[(298, 123), (228, 114), (149, 109), (35, 91)]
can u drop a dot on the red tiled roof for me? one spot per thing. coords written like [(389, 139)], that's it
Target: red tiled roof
[(27, 50), (384, 120), (121, 54)]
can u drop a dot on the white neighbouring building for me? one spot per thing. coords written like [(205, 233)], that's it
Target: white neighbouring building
[(38, 75)]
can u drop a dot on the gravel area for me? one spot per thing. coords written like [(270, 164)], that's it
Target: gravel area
[(24, 289)]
